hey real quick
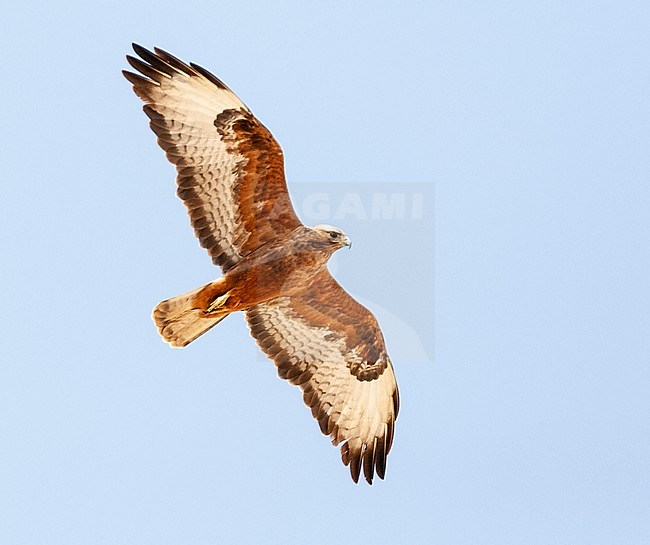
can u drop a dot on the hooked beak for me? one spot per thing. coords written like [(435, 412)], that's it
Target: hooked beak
[(347, 242)]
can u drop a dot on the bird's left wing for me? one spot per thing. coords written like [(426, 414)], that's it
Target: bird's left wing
[(329, 345)]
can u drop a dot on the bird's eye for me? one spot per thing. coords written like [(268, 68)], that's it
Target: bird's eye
[(334, 234)]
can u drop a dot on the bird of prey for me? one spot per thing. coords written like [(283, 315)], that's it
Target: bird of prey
[(231, 179)]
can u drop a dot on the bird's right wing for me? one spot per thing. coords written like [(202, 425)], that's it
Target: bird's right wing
[(230, 168)]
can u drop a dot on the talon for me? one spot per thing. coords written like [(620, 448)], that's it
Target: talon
[(217, 303)]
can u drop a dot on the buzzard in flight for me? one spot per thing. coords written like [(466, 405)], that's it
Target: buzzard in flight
[(231, 179)]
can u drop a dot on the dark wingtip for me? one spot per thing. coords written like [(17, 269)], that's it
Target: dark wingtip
[(355, 468), (380, 457), (128, 75), (209, 76), (155, 61), (135, 79), (369, 464), (139, 49), (174, 61), (396, 401)]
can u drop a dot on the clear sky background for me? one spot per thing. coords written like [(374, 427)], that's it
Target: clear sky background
[(528, 421)]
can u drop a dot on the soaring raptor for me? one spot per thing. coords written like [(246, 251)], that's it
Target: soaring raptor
[(231, 179)]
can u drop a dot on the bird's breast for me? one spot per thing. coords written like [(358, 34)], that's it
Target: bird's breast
[(274, 274)]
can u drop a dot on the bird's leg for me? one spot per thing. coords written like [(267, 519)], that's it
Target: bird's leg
[(217, 304), (212, 297)]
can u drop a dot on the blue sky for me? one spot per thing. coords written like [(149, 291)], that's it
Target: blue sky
[(525, 278)]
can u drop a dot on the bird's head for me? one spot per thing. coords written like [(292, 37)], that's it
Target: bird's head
[(331, 237)]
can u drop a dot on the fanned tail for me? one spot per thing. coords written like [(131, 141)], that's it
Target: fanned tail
[(179, 322)]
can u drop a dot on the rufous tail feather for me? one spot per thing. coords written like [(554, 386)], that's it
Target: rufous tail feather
[(179, 322)]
